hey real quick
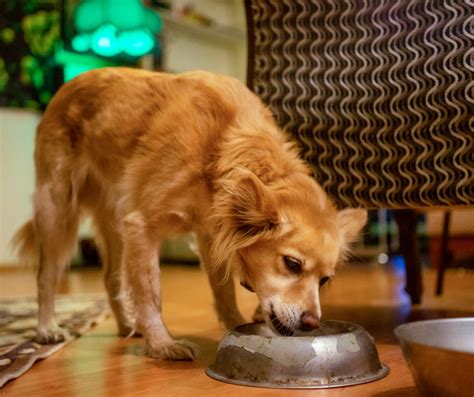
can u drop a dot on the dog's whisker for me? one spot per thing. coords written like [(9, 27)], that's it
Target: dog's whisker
[(280, 327)]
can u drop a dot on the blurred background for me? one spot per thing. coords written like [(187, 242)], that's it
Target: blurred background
[(44, 43)]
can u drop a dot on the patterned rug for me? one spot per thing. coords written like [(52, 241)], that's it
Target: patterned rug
[(19, 351)]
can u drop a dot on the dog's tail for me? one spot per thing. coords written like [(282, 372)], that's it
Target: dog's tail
[(25, 244)]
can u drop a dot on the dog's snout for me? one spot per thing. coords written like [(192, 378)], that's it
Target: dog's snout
[(309, 322)]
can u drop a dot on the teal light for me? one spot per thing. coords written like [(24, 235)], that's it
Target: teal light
[(104, 41), (75, 64), (127, 15), (89, 15), (81, 43), (137, 42), (115, 26), (72, 70)]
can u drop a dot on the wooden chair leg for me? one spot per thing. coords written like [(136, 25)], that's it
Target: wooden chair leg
[(443, 254), (406, 221)]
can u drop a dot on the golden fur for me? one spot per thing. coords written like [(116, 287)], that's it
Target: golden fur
[(148, 155)]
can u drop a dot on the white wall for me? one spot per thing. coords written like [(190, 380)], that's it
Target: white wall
[(17, 132), (187, 50)]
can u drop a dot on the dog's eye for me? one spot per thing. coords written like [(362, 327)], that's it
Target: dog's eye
[(246, 286), (292, 264), (323, 281)]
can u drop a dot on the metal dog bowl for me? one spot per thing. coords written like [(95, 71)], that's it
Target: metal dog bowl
[(440, 355), (336, 354)]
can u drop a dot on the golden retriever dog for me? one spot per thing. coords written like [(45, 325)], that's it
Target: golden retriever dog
[(149, 155)]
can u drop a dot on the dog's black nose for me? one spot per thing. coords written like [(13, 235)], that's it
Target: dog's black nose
[(309, 322)]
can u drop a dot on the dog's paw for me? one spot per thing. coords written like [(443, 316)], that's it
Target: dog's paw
[(50, 335), (174, 350), (258, 315)]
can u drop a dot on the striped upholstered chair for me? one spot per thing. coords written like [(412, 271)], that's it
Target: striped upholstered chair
[(379, 95)]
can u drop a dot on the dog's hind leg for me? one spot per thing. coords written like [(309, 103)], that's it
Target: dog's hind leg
[(222, 285), (56, 222), (109, 241)]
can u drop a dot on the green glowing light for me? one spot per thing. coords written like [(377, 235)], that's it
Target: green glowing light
[(137, 42), (110, 27), (89, 16), (127, 14), (72, 70), (81, 43), (104, 41), (75, 63)]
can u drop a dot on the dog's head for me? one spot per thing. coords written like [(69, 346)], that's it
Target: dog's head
[(287, 240)]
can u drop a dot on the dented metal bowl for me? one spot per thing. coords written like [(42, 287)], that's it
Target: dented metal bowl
[(337, 354), (440, 355)]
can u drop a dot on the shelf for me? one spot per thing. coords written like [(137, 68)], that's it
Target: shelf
[(220, 33)]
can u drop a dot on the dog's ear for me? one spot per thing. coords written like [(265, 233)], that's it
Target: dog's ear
[(253, 206), (244, 209), (351, 221)]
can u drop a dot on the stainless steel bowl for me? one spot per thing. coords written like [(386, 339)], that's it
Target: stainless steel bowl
[(336, 354), (440, 355)]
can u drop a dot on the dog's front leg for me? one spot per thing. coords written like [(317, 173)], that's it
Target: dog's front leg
[(222, 285), (141, 262)]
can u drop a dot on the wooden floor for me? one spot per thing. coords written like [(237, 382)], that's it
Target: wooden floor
[(101, 364)]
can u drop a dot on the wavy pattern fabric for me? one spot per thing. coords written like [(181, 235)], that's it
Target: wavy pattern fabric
[(379, 94)]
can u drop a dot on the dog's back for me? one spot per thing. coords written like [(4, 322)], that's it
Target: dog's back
[(102, 116)]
